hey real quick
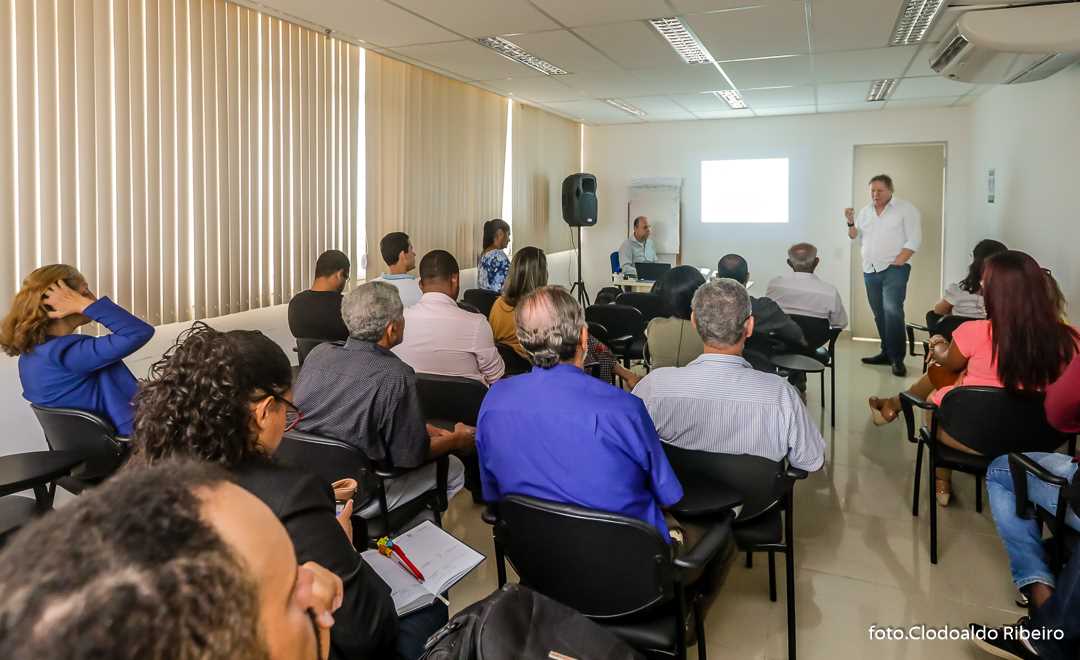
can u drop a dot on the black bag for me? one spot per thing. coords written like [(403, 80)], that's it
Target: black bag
[(515, 622)]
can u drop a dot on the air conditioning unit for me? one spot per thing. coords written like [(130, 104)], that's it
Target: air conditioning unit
[(1011, 44)]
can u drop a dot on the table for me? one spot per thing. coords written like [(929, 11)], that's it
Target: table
[(637, 285), (34, 470)]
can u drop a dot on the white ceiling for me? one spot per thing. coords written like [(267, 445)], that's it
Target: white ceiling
[(785, 56)]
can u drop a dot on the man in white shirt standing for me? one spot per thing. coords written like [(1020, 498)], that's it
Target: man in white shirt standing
[(802, 293), (637, 248), (889, 232), (398, 253), (440, 337)]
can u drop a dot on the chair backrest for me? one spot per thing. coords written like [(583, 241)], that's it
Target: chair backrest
[(329, 459), (515, 364), (993, 421), (598, 331), (481, 299), (304, 345), (816, 331), (948, 325), (620, 320), (602, 564), (69, 429), (761, 482), (616, 267), (450, 398), (607, 295), (649, 304)]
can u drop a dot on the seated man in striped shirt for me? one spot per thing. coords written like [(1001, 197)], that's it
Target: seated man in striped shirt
[(718, 402)]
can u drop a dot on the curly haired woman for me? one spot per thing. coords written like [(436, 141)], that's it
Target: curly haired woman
[(224, 397), (61, 369)]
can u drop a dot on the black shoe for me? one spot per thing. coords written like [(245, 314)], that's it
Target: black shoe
[(898, 369), (880, 358), (1001, 642)]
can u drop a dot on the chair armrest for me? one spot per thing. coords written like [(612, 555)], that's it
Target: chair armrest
[(795, 473), (489, 515), (1020, 466), (705, 499), (442, 465), (707, 548), (917, 326), (908, 403)]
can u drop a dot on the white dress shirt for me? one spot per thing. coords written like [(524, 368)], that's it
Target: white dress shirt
[(882, 237), (407, 286), (633, 251), (719, 403), (970, 305), (441, 338), (805, 294)]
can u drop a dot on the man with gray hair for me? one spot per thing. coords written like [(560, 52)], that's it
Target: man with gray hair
[(802, 293), (718, 402), (363, 394), (559, 434)]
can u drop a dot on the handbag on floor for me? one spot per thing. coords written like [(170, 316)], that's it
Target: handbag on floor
[(516, 622)]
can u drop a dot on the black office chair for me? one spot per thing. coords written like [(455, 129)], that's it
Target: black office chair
[(515, 364), (625, 328), (447, 400), (990, 420), (81, 431), (821, 344), (944, 326), (607, 295), (468, 308), (650, 305), (1063, 539), (304, 345), (766, 521), (37, 471), (618, 571), (332, 459), (481, 299)]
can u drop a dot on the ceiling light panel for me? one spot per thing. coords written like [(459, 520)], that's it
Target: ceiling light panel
[(880, 90), (512, 51), (685, 42), (625, 107), (732, 97), (914, 22)]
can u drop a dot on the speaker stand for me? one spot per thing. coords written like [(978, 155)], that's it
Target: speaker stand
[(582, 293)]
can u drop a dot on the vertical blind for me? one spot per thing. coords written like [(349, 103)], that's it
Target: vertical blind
[(547, 149), (435, 154), (192, 158)]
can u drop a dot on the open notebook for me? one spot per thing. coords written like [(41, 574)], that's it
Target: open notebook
[(441, 558)]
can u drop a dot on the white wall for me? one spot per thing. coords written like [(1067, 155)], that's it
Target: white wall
[(821, 151), (1030, 134)]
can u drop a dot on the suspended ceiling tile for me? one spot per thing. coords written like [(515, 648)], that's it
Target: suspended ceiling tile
[(564, 50), (680, 79), (935, 102), (921, 88), (603, 85), (761, 31), (540, 88), (573, 13), (852, 24), (850, 107), (851, 65), (724, 114), (698, 103), (374, 21), (593, 111), (776, 98), (634, 44), (468, 60), (841, 93), (770, 72), (481, 18), (790, 110)]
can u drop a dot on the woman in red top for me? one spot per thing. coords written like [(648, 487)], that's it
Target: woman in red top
[(1022, 345)]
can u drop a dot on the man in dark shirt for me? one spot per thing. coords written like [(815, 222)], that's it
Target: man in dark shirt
[(316, 313), (363, 394), (774, 331)]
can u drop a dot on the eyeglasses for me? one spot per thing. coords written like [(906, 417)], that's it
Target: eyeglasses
[(292, 413)]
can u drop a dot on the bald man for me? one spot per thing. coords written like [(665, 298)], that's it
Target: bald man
[(638, 248), (802, 293)]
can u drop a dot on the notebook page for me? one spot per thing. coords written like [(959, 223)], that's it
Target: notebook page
[(441, 558), (407, 592)]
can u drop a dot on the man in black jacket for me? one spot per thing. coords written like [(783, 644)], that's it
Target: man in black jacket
[(774, 331)]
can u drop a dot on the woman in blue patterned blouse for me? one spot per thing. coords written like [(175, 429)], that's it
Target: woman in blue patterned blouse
[(494, 264)]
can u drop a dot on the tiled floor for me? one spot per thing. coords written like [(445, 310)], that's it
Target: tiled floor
[(861, 558)]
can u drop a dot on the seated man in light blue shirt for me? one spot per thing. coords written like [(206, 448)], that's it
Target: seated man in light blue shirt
[(718, 402), (561, 435), (638, 248), (398, 253)]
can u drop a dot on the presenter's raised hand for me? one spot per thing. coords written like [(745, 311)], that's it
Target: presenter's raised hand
[(849, 213)]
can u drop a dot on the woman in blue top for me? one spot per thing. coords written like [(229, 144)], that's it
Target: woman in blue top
[(60, 369), (494, 265)]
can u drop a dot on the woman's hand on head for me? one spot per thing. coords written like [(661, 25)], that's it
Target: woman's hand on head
[(65, 301)]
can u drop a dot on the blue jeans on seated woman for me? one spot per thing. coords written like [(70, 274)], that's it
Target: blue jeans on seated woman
[(1022, 537)]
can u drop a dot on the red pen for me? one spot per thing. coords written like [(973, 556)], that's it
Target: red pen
[(408, 564)]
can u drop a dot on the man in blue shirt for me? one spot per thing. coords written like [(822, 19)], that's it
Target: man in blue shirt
[(559, 434)]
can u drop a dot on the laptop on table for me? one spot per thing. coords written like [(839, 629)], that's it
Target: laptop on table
[(651, 272)]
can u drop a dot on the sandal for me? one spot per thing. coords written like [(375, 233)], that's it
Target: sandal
[(882, 412), (943, 491)]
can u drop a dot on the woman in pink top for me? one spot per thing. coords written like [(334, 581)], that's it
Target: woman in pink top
[(1022, 345)]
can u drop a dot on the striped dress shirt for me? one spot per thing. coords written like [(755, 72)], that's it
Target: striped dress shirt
[(719, 403)]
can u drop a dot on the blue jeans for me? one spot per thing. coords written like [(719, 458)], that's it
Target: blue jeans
[(1059, 613), (415, 628), (1022, 538), (886, 291)]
